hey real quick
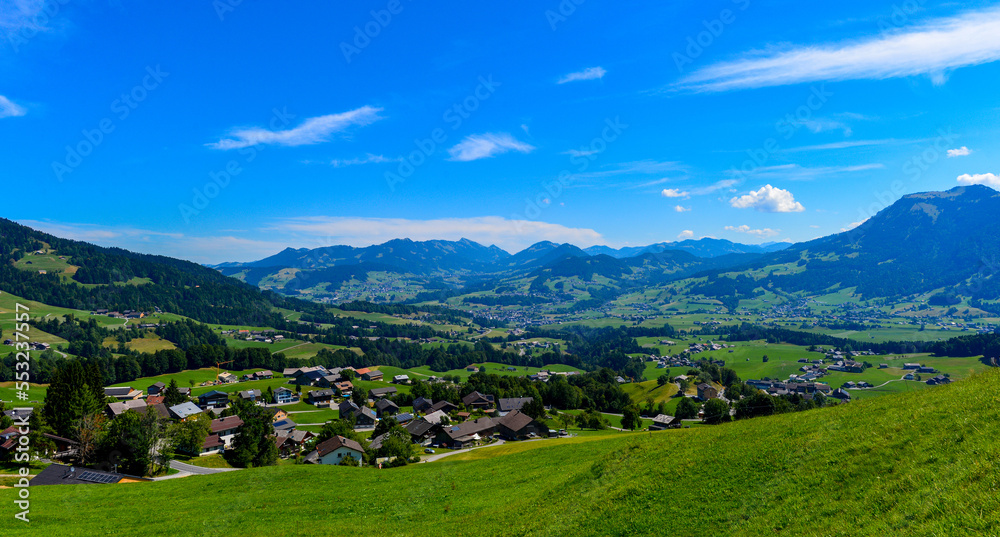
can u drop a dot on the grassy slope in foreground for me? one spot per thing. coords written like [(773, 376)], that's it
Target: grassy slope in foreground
[(914, 464)]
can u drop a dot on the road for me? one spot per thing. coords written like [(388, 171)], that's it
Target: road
[(432, 458), (190, 469)]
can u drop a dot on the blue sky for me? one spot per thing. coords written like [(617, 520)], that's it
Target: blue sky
[(226, 130)]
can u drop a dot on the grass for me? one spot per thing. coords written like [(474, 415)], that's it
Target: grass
[(208, 461), (920, 463)]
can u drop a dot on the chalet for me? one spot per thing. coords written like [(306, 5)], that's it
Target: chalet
[(113, 410), (379, 393), (422, 430), (926, 369), (509, 405), (310, 378), (883, 366), (908, 376), (328, 381), (262, 375), (435, 417), (276, 414), (186, 392), (372, 376), (478, 401), (227, 429), (517, 426), (156, 389), (940, 379), (214, 399), (841, 394), (401, 379), (284, 425), (443, 406), (348, 407), (161, 410), (123, 393), (365, 418), (184, 411), (385, 407), (707, 391), (20, 415), (404, 418), (318, 397), (466, 433), (422, 404), (9, 441), (335, 450), (284, 395), (911, 366), (155, 400), (663, 421), (254, 396), (344, 388), (213, 445)]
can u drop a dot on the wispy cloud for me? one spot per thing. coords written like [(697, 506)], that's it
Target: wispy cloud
[(768, 200), (686, 234), (9, 108), (681, 209), (960, 152), (580, 153), (795, 172), (932, 48), (367, 159), (846, 144), (311, 131), (674, 193), (988, 179), (511, 235), (591, 73), (762, 233), (480, 146)]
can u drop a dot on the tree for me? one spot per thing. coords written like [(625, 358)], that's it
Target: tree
[(75, 390), (630, 418), (662, 379), (130, 441), (566, 420), (89, 432), (383, 426), (756, 404), (337, 428), (5, 420), (534, 408), (188, 436), (172, 395), (253, 446), (765, 358), (397, 445), (359, 396), (716, 411), (687, 409)]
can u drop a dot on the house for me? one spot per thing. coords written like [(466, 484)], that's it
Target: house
[(435, 417), (478, 401), (348, 407), (123, 393), (517, 426), (227, 429), (113, 410), (289, 442), (422, 404), (262, 375), (401, 379), (9, 441), (365, 418), (213, 445), (284, 425), (284, 395), (184, 411), (372, 375), (20, 415), (161, 410), (926, 369), (911, 366), (385, 407), (443, 406), (841, 394), (707, 391), (321, 397), (940, 379), (254, 396), (156, 389), (422, 430), (510, 405), (663, 421), (277, 414), (344, 388), (404, 418), (60, 474), (379, 393), (883, 366), (335, 450), (228, 378), (155, 400), (908, 376), (214, 399), (466, 433)]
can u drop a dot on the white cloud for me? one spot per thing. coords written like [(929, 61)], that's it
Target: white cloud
[(511, 235), (844, 145), (367, 159), (932, 48), (686, 234), (581, 153), (763, 233), (682, 209), (479, 146), (988, 179), (769, 200), (311, 131), (591, 73), (674, 193), (795, 172), (960, 152), (9, 108), (852, 225)]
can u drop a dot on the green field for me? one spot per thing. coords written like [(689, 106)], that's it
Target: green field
[(914, 464)]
